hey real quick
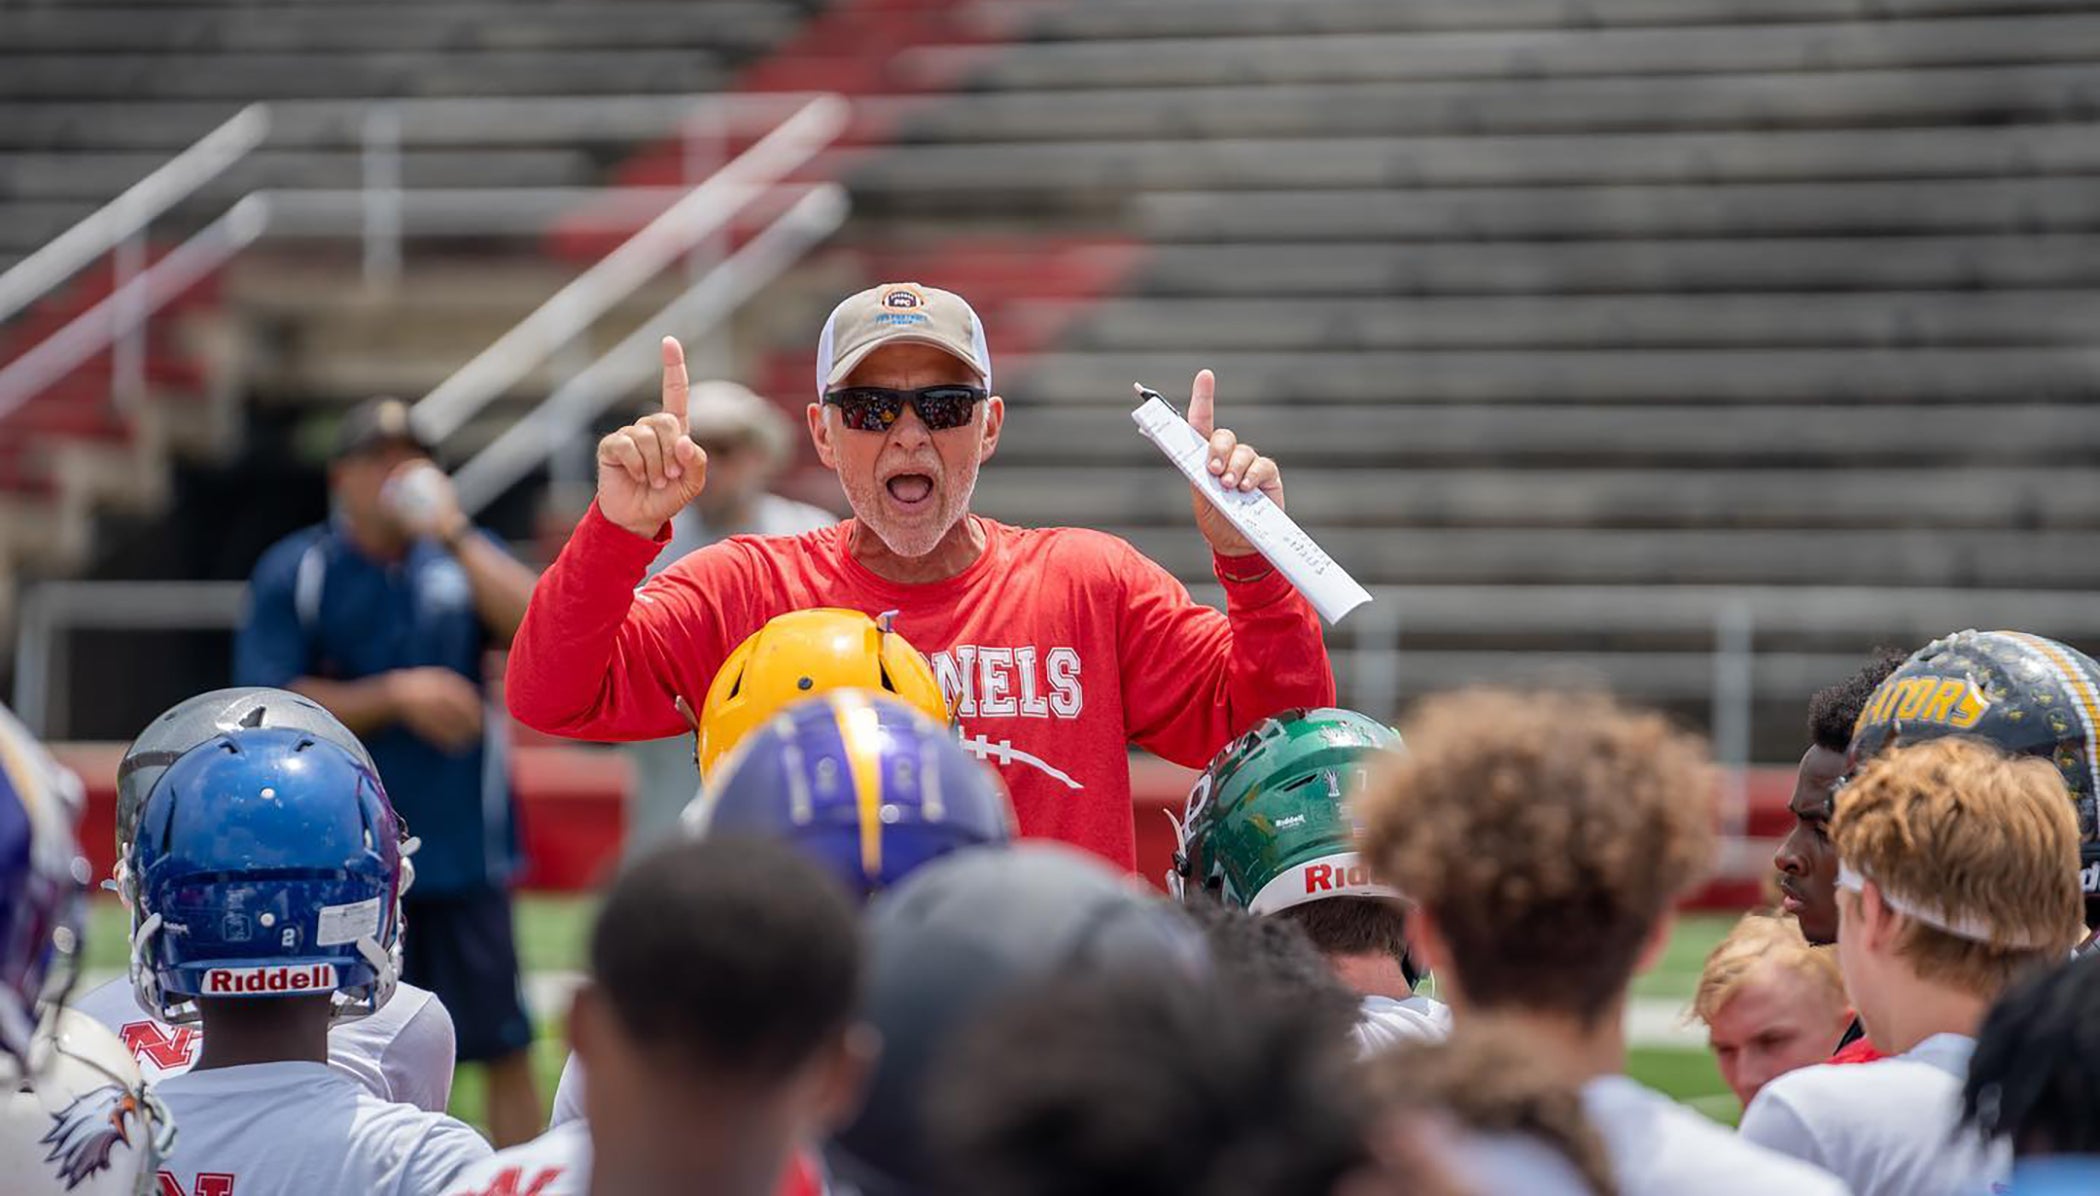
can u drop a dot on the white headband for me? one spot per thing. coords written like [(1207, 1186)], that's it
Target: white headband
[(1976, 930)]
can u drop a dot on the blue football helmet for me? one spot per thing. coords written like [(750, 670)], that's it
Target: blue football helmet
[(861, 782), (43, 883), (268, 863)]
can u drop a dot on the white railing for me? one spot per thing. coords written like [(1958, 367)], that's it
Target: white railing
[(704, 212), (125, 217), (382, 213), (51, 611), (124, 312), (566, 414)]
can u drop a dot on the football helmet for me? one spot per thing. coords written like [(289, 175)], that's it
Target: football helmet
[(1267, 826), (804, 653), (193, 720), (2028, 695), (862, 782), (43, 883), (85, 1124), (266, 863)]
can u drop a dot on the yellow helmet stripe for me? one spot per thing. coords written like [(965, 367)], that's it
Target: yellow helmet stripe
[(860, 730), (2081, 688)]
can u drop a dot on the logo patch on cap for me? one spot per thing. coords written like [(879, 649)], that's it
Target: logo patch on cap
[(902, 298)]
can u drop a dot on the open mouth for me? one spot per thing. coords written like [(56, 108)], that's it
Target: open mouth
[(910, 489)]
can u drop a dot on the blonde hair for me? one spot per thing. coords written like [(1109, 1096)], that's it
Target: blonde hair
[(1962, 834), (1547, 833), (1755, 940)]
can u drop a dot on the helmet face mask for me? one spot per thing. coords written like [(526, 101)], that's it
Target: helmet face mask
[(800, 655), (43, 880), (1268, 826), (2024, 694), (266, 863)]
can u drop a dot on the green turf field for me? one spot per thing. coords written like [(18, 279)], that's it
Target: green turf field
[(552, 933)]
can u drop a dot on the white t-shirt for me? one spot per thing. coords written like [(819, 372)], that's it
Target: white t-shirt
[(1660, 1148), (557, 1163), (1886, 1127), (306, 1129), (1383, 1023), (568, 1094), (401, 1053)]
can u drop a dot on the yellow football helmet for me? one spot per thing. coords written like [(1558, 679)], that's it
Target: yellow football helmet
[(808, 652)]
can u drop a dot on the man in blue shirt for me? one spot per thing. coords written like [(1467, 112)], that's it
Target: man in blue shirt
[(383, 615)]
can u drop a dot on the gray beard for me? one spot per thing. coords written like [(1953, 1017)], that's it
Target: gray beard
[(910, 551)]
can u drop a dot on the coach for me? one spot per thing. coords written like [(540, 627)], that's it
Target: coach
[(1057, 647)]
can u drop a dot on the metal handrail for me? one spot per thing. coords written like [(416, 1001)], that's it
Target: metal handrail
[(567, 412), (132, 304), (128, 214), (574, 308)]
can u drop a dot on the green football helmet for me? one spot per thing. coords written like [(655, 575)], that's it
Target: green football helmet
[(1268, 826)]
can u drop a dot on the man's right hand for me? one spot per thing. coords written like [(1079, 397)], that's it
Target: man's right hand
[(438, 705), (650, 469)]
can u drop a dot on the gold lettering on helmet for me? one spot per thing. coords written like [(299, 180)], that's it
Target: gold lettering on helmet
[(1916, 691)]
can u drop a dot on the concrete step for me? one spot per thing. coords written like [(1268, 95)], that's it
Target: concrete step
[(459, 28), (1116, 19), (97, 176), (1404, 435), (1896, 319), (1570, 377), (1957, 206), (423, 72), (1922, 96), (1196, 60), (2031, 497), (998, 169), (1285, 271)]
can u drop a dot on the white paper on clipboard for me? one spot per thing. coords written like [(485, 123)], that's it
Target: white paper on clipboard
[(1325, 584)]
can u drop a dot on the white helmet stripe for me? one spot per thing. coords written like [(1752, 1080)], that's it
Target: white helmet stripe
[(1339, 875)]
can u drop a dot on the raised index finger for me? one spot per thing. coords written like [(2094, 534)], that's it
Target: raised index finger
[(675, 388), (1203, 405)]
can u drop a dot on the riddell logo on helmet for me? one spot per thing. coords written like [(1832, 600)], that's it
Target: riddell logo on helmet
[(1333, 878), (318, 977)]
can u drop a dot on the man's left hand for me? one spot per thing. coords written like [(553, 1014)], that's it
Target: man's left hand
[(1236, 466), (420, 498)]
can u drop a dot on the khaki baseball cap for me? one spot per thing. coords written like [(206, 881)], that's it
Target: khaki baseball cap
[(899, 313)]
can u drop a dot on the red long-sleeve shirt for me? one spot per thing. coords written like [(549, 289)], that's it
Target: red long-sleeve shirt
[(1059, 647)]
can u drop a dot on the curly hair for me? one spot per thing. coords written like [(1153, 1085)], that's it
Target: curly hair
[(1960, 828), (1834, 710), (1272, 959), (1547, 833), (1491, 1081)]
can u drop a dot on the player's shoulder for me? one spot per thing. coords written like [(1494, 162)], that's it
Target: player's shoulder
[(557, 1163), (111, 1003), (1678, 1146), (385, 1127), (1830, 1090)]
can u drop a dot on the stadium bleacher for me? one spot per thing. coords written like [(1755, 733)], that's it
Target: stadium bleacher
[(1607, 295), (1541, 302)]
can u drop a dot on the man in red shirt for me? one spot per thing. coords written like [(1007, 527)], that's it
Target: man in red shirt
[(1058, 646)]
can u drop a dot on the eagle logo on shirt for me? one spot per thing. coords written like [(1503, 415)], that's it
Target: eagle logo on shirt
[(84, 1136)]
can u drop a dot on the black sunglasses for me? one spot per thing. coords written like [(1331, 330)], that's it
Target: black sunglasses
[(876, 408)]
